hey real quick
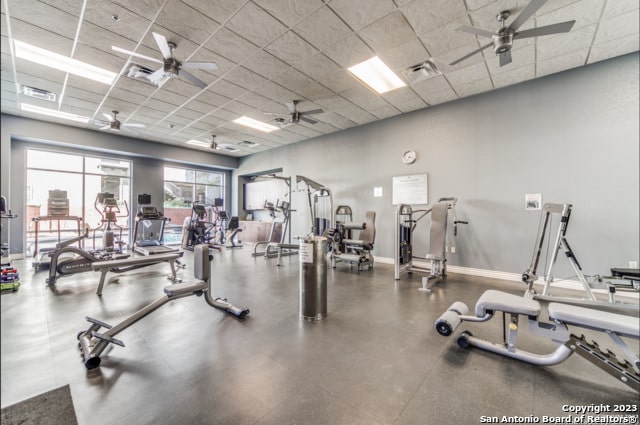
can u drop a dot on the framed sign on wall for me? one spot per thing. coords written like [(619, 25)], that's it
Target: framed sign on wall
[(411, 189)]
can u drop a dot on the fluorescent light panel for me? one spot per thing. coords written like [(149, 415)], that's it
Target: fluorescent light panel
[(377, 75), (53, 113), (198, 143), (62, 63), (258, 125)]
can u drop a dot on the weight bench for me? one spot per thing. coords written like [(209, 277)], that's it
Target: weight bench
[(614, 325), (128, 264)]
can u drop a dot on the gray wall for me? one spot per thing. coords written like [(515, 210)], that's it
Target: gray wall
[(573, 137), (148, 160)]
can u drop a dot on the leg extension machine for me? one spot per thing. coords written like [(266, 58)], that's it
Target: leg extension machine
[(614, 325), (93, 342)]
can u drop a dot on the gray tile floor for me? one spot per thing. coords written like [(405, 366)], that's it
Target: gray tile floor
[(376, 358)]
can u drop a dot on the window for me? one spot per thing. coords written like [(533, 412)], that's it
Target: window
[(76, 180), (183, 187)]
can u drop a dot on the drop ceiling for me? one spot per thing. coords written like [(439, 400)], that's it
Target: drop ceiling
[(271, 52)]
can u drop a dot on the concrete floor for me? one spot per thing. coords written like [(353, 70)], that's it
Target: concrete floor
[(376, 358)]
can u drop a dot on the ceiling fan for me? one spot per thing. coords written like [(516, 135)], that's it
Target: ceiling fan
[(502, 40), (171, 66), (294, 115), (114, 123)]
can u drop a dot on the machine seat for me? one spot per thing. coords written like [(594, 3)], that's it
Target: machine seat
[(184, 288), (493, 300), (595, 319)]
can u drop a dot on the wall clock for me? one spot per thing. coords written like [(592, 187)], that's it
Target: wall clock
[(409, 157)]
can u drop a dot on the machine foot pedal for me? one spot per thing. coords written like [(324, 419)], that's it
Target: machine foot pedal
[(104, 337), (98, 322)]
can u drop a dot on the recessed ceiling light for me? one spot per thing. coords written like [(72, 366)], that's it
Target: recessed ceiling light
[(199, 143), (53, 113), (258, 125), (62, 63), (248, 144), (377, 75)]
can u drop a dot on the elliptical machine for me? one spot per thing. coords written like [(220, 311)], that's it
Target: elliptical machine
[(109, 209), (196, 230)]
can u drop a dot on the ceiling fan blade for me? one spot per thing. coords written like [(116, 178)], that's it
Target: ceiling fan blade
[(291, 106), (476, 31), (505, 58), (312, 112), (528, 12), (309, 120), (546, 30), (467, 56), (209, 66), (133, 125), (129, 52), (163, 45), (106, 127), (108, 116), (193, 79)]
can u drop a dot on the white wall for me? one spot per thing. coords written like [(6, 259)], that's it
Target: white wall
[(572, 136)]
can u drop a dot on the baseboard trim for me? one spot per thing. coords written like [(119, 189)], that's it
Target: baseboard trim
[(515, 277)]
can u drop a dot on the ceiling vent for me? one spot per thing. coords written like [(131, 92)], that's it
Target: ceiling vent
[(229, 148), (421, 71), (140, 73), (38, 93), (248, 144)]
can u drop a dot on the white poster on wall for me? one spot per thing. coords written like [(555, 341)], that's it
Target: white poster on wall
[(411, 189)]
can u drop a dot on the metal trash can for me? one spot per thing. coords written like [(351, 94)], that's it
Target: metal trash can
[(313, 278)]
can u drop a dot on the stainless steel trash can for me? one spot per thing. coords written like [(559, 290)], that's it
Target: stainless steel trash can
[(313, 278)]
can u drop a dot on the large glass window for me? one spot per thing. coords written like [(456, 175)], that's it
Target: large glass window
[(183, 187), (61, 196)]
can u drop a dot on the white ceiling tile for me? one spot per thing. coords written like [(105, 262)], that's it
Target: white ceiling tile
[(290, 12), (468, 74), (275, 91), (427, 15), (614, 8), (291, 49), (293, 80), (610, 49), (388, 32), (485, 17), (317, 66), (366, 12), (314, 90), (338, 81), (384, 111), (212, 98), (323, 29), (349, 52), (230, 45), (551, 46), (407, 54), (446, 38), (473, 87), (265, 64), (562, 63), (585, 13), (365, 98), (618, 27), (446, 58), (514, 76), (245, 78), (187, 22), (437, 97), (404, 99), (256, 25)]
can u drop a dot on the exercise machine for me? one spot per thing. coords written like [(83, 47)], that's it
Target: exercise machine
[(5, 213), (407, 219), (279, 248), (344, 247), (109, 209), (148, 231), (232, 230), (622, 279), (93, 341), (44, 262), (196, 230), (320, 224), (624, 367)]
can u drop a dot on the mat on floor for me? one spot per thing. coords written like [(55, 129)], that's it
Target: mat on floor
[(54, 407)]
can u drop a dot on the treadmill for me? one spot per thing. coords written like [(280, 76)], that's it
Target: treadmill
[(148, 232)]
